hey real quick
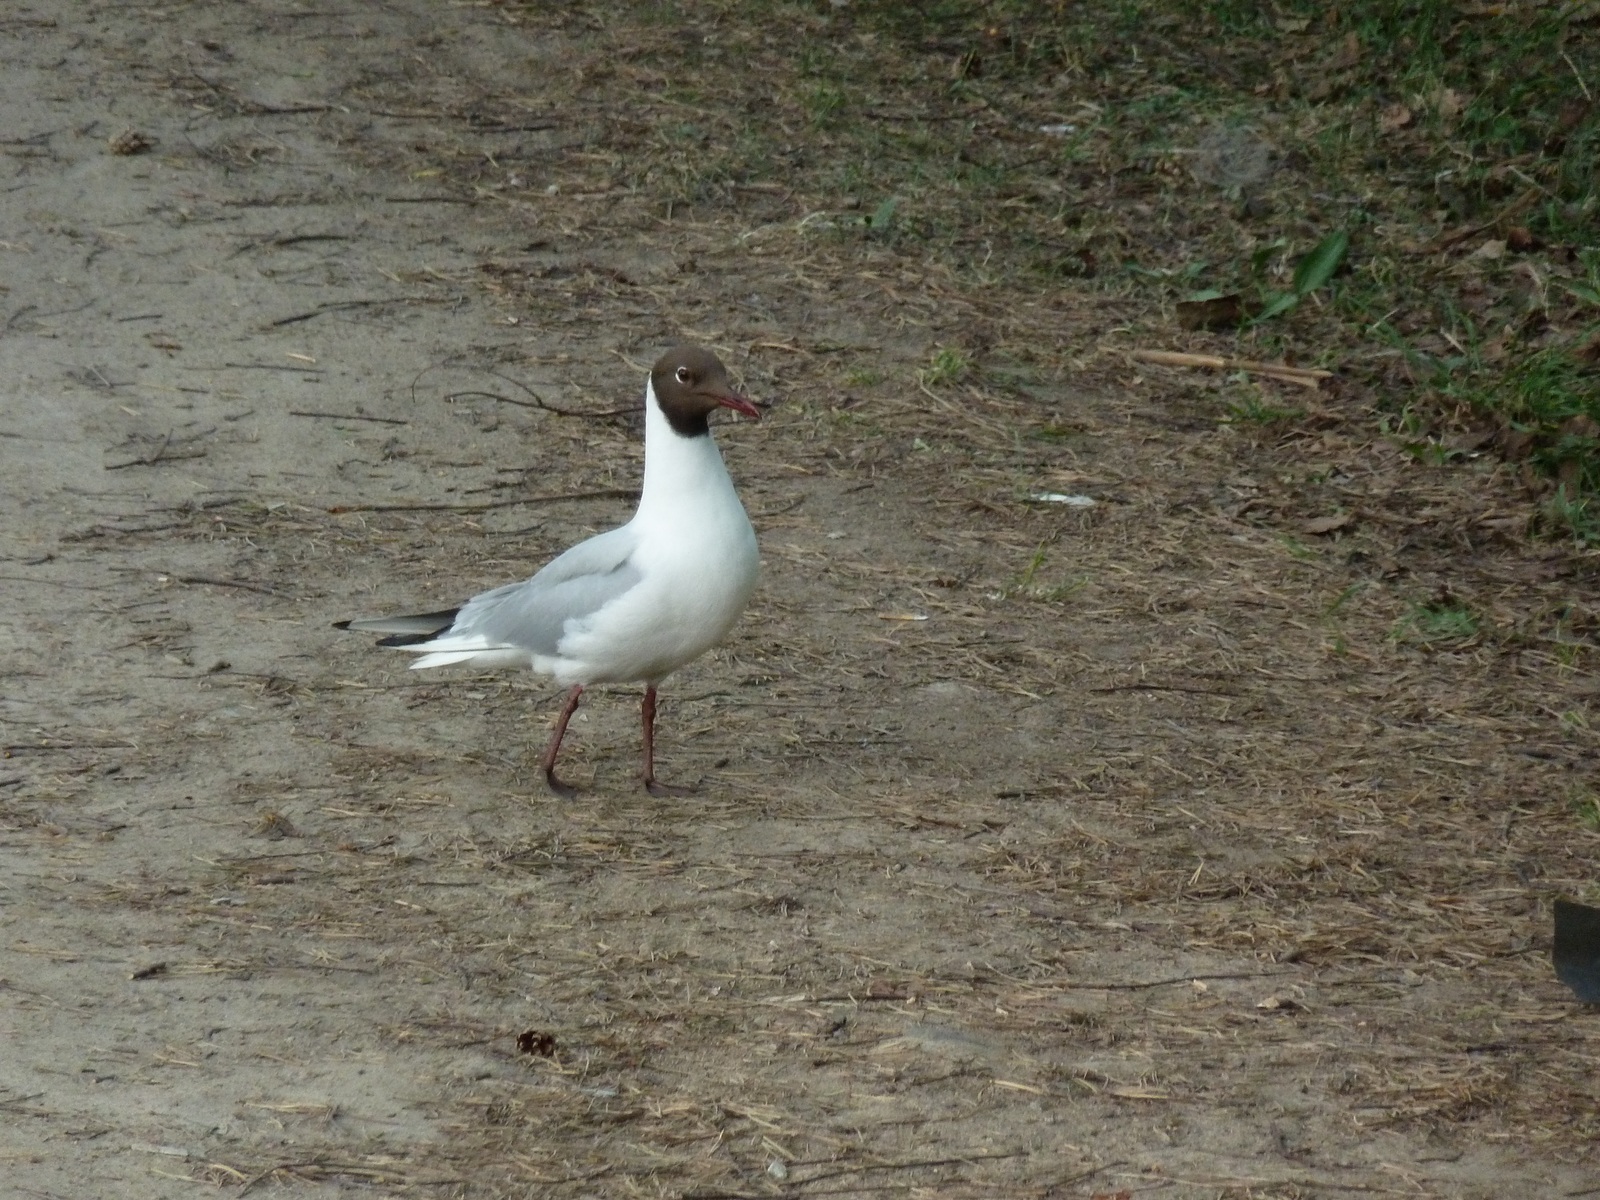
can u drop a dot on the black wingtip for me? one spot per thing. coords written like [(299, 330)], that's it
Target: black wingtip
[(407, 639), (1577, 949), (403, 631)]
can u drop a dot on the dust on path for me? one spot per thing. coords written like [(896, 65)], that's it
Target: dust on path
[(1038, 854)]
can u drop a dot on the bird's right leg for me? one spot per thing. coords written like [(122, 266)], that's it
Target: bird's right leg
[(554, 748)]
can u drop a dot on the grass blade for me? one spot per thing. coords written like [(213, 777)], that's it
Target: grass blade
[(1276, 307), (1316, 268)]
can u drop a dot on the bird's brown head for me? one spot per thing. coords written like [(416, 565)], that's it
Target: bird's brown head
[(690, 383)]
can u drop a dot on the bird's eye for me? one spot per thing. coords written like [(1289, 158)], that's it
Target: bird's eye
[(683, 375)]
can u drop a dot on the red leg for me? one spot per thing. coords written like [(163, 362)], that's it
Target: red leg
[(560, 731), (651, 784)]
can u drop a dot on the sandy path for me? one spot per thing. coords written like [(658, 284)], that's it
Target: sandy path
[(274, 912)]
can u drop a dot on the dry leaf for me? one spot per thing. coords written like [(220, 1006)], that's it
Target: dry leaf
[(1347, 55), (275, 825), (129, 141), (1466, 441), (1572, 115), (536, 1043), (1492, 249), (1395, 117), (1521, 239), (1219, 312), (1279, 1003), (1581, 426), (1327, 524), (1516, 444)]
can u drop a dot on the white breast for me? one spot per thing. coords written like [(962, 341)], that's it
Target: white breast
[(698, 562)]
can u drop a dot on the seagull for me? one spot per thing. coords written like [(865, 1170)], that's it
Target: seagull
[(635, 603)]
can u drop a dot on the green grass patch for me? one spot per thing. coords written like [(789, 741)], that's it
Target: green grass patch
[(1028, 586), (1587, 807), (1547, 399), (1575, 516), (1412, 175), (1246, 404), (948, 365), (1443, 621)]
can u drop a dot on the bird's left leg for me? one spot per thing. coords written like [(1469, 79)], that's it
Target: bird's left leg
[(651, 784)]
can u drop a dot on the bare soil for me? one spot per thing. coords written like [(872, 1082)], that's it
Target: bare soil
[(1166, 846)]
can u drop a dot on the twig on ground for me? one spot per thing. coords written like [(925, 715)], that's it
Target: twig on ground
[(1162, 687), (301, 412), (24, 748), (1304, 376), (1155, 983), (540, 404), (539, 401), (166, 451), (233, 366), (910, 1164), (1523, 202), (293, 239), (788, 507), (256, 108), (211, 581), (600, 494), (155, 457), (322, 309)]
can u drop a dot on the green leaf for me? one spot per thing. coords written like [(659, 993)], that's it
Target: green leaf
[(1316, 268), (1276, 307), (883, 216), (1208, 294), (1583, 292), (1263, 253)]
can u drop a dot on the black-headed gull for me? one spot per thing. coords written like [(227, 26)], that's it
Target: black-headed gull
[(633, 604)]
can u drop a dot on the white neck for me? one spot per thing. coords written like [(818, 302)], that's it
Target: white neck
[(680, 472)]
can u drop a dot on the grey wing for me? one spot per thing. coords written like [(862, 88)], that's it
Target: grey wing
[(533, 615)]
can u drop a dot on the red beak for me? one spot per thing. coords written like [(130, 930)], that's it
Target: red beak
[(740, 405)]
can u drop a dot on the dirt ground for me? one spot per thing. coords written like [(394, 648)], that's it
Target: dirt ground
[(1156, 847)]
